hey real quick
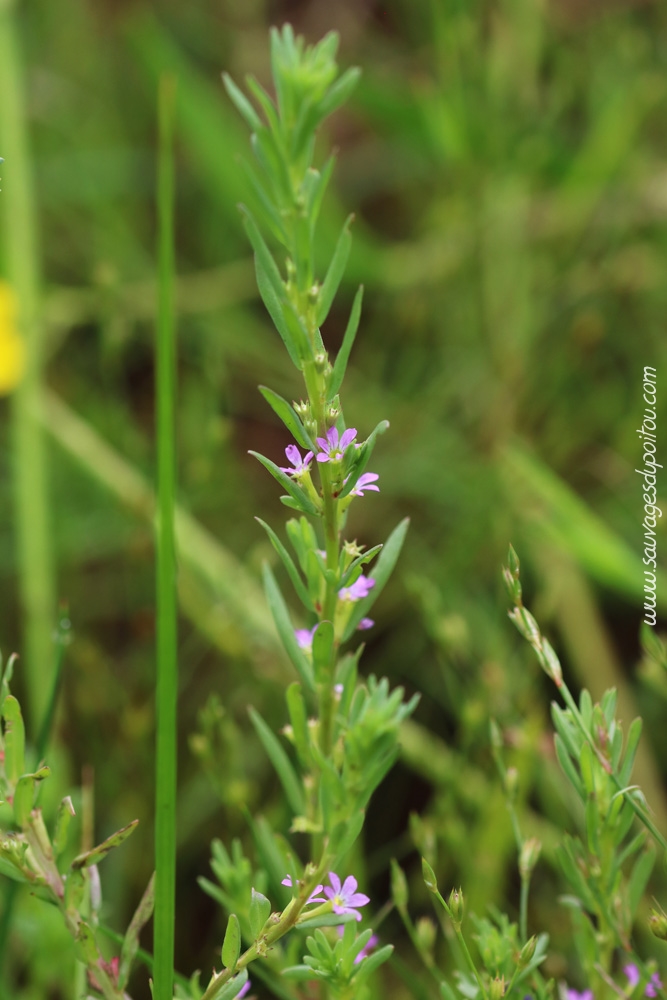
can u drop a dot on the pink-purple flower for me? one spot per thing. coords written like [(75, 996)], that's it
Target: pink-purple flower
[(361, 588), (244, 990), (365, 623), (301, 465), (333, 449), (304, 637), (313, 898), (575, 995), (633, 974), (365, 482), (345, 897)]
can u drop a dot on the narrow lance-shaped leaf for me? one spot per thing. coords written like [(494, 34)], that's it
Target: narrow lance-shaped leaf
[(335, 272), (24, 796), (639, 877), (286, 413), (281, 762), (232, 988), (243, 105), (299, 721), (93, 857), (323, 640), (130, 946), (260, 908), (362, 458), (63, 818), (285, 629), (14, 739), (634, 733), (381, 573), (340, 91), (295, 491), (231, 946), (340, 364), (288, 563)]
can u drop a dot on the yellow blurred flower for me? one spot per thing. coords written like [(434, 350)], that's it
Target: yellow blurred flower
[(12, 347)]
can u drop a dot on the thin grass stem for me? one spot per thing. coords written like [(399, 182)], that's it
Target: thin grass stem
[(167, 668)]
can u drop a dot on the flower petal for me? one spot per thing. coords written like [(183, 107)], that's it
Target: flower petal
[(335, 882), (348, 436)]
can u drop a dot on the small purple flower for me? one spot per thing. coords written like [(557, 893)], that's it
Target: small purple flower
[(632, 972), (313, 898), (359, 589), (365, 482), (654, 984), (301, 465), (304, 638), (244, 990), (345, 897), (365, 623), (373, 942), (575, 995), (332, 448)]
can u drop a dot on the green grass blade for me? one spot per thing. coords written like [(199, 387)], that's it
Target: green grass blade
[(167, 669)]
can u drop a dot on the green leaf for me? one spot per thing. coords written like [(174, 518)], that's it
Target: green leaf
[(24, 796), (323, 640), (243, 105), (286, 413), (130, 946), (288, 563), (98, 853), (340, 91), (299, 721), (286, 630), (641, 872), (361, 461), (281, 762), (295, 491), (14, 739), (260, 909), (340, 364), (370, 963), (63, 818), (335, 272), (634, 734), (231, 946), (381, 573), (314, 186), (85, 947), (231, 989)]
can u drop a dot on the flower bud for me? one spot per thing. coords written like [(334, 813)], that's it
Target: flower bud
[(511, 783), (497, 988), (399, 885), (429, 876), (658, 924), (530, 852), (513, 563), (527, 952), (426, 933), (455, 903)]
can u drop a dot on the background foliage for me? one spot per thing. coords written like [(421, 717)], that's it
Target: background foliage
[(506, 164)]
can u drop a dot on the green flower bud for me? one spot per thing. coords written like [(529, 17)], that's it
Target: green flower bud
[(527, 952), (658, 924), (497, 988), (399, 885), (455, 903), (511, 783), (530, 852), (429, 876), (426, 933)]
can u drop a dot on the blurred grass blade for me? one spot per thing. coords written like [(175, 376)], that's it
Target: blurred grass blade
[(281, 762), (167, 668)]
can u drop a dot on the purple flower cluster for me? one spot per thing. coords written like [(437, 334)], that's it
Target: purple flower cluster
[(333, 448), (633, 976)]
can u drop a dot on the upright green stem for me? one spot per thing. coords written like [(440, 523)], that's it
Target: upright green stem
[(167, 668), (21, 267)]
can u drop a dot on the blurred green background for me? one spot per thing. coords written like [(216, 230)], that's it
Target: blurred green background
[(506, 162)]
